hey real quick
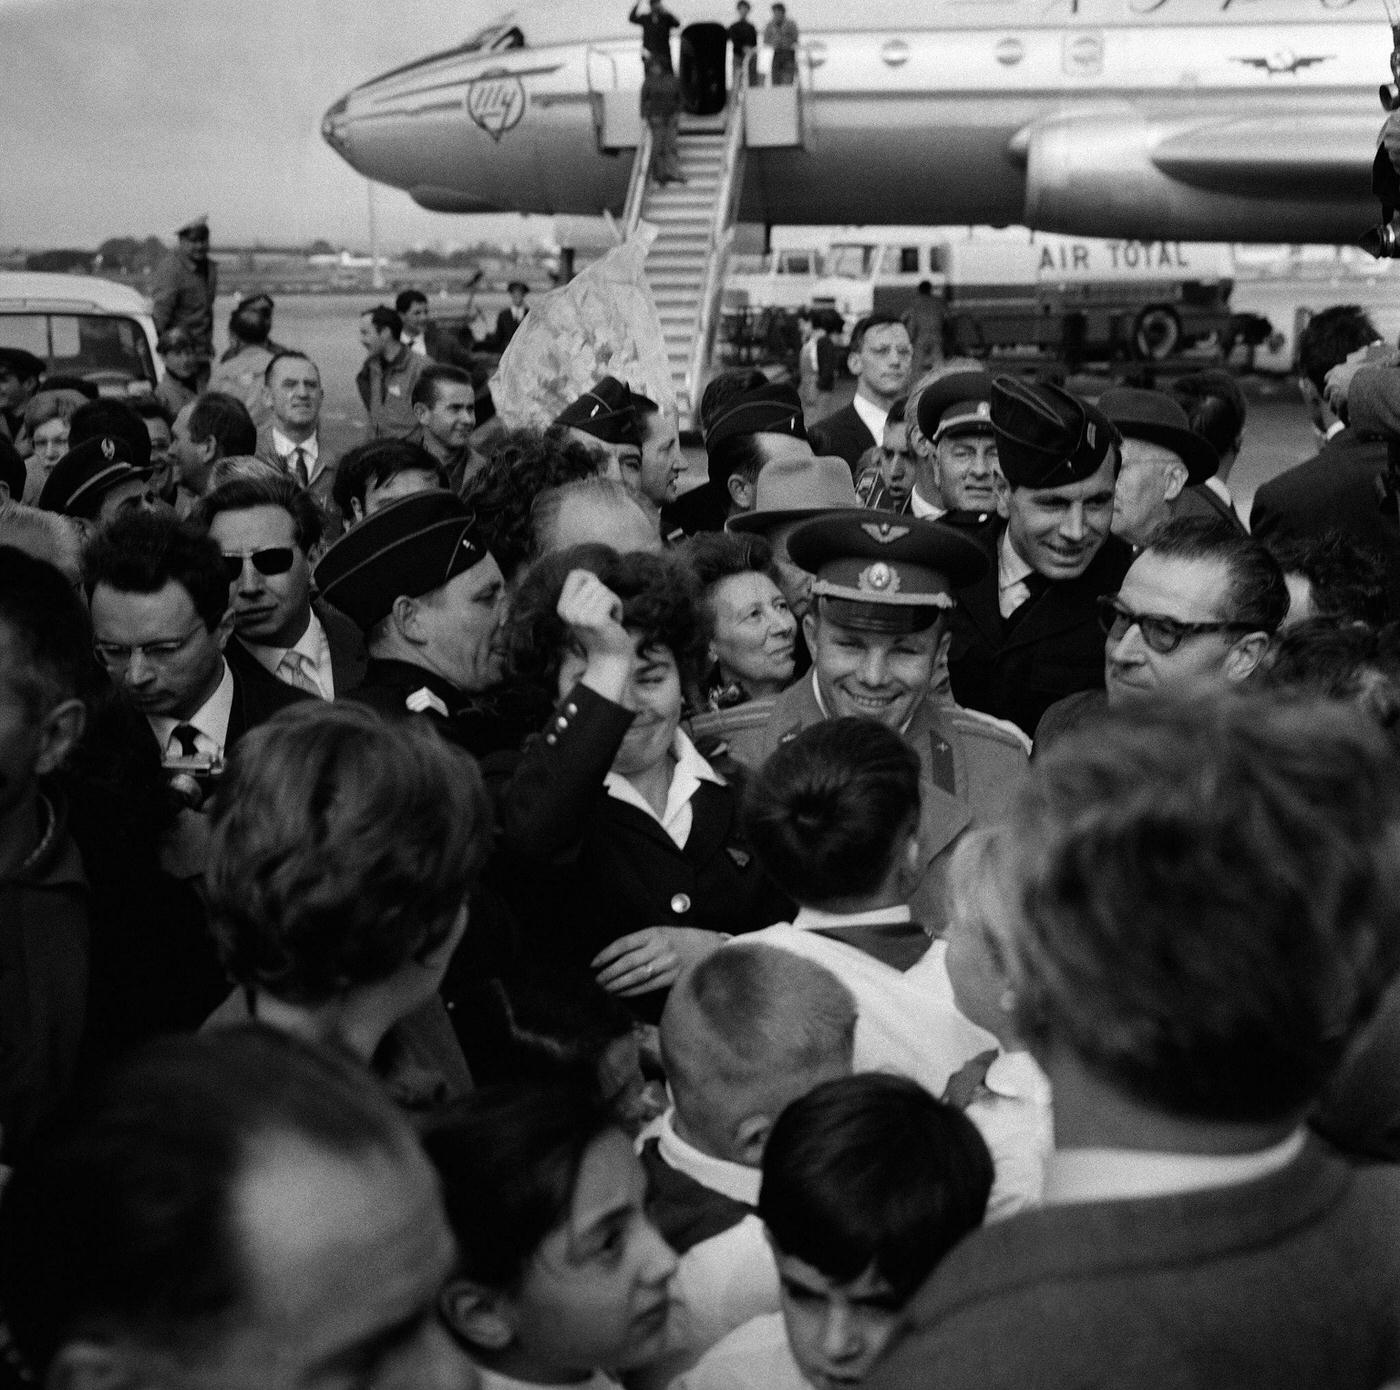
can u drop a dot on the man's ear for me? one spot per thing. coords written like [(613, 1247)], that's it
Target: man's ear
[(741, 491), (408, 620), (478, 1315), (1243, 659), (750, 1138), (92, 1366), (853, 362), (810, 629), (60, 731), (1003, 489), (421, 411), (1175, 481)]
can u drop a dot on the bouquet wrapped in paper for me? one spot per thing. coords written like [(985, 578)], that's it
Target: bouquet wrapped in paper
[(602, 323)]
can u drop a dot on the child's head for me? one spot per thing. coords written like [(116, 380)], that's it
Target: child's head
[(559, 1271), (745, 1032), (978, 910), (868, 1181), (833, 814)]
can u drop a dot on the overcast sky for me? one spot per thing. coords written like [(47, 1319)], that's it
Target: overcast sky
[(126, 117)]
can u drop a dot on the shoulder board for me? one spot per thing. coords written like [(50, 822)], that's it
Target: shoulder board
[(423, 699), (988, 726), (753, 714)]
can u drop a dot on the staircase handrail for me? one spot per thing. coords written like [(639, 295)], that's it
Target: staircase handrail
[(637, 185), (721, 236)]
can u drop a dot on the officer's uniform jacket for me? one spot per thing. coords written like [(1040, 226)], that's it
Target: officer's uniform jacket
[(970, 767)]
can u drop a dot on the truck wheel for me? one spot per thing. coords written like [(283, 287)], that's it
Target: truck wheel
[(1156, 333)]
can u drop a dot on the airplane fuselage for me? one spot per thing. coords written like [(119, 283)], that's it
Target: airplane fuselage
[(1185, 119)]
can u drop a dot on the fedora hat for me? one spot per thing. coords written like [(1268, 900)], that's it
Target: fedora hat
[(793, 489), (1156, 417)]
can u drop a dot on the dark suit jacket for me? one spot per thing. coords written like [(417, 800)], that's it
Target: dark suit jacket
[(1054, 649), (506, 328), (1290, 1280), (581, 868), (257, 696), (322, 485), (345, 640), (1200, 501), (1338, 489), (844, 434)]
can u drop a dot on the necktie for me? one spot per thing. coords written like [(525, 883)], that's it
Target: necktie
[(296, 463), (962, 1085), (295, 669), (186, 738)]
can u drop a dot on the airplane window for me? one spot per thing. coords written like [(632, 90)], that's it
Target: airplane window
[(909, 260)]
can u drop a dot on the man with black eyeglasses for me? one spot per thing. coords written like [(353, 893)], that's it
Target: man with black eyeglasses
[(1195, 614), (159, 595), (268, 530)]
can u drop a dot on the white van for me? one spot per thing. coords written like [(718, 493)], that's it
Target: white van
[(81, 326)]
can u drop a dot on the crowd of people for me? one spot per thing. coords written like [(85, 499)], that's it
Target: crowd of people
[(919, 908)]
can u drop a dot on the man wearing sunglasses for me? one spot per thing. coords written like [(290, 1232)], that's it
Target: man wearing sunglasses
[(158, 591), (268, 529), (1196, 614), (1026, 634)]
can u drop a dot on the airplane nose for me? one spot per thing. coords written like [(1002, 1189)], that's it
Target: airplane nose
[(331, 131)]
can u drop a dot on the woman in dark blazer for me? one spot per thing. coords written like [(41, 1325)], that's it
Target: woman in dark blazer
[(620, 846)]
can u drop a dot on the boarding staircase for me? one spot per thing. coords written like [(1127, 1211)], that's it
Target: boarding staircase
[(694, 224)]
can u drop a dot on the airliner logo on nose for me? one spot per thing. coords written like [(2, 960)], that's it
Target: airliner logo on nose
[(496, 102)]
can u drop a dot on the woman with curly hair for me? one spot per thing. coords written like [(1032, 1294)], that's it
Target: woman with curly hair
[(343, 854), (621, 843)]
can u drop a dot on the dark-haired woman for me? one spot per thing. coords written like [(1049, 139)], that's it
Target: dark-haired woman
[(620, 843)]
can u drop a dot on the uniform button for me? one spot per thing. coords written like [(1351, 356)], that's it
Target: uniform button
[(550, 739), (561, 723), (571, 708), (680, 904)]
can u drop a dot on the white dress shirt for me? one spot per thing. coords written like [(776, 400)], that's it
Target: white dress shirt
[(1012, 573), (310, 448), (872, 415), (418, 344), (210, 722), (312, 653), (1116, 1175), (678, 816), (924, 509)]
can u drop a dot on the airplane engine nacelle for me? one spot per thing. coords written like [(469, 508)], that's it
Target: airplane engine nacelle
[(1111, 171)]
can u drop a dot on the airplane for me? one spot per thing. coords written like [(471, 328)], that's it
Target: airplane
[(1231, 120)]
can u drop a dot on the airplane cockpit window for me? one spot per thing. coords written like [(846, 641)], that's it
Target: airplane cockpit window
[(495, 38)]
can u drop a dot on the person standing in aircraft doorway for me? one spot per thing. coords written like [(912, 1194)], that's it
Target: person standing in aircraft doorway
[(780, 34), (656, 22), (661, 110)]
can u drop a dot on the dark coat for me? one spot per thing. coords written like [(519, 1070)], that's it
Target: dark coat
[(1338, 489), (348, 659), (582, 868), (1200, 501), (257, 696), (1054, 648), (843, 434), (506, 328), (1292, 1279)]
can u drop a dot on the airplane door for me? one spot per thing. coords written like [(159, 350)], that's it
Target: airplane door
[(703, 68)]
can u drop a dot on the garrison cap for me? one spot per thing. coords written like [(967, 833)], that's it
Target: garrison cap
[(883, 572), (1158, 418), (196, 229), (606, 412), (87, 473), (412, 546), (959, 403), (23, 364), (256, 301), (1047, 437), (773, 408)]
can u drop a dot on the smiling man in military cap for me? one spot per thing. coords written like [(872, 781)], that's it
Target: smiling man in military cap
[(429, 598), (1026, 633), (881, 594), (956, 480)]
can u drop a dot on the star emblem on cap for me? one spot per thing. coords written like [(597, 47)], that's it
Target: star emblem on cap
[(109, 450), (880, 578), (882, 533)]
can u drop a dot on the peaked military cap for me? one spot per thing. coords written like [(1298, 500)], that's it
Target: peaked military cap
[(196, 229), (773, 408), (606, 412), (1157, 418), (23, 364), (87, 473), (412, 546), (960, 402), (1047, 437), (882, 571)]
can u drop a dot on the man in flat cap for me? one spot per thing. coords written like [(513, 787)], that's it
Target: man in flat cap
[(97, 480), (19, 380), (747, 422), (1027, 631), (1162, 458), (955, 479), (183, 292), (605, 419), (430, 599), (877, 628)]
